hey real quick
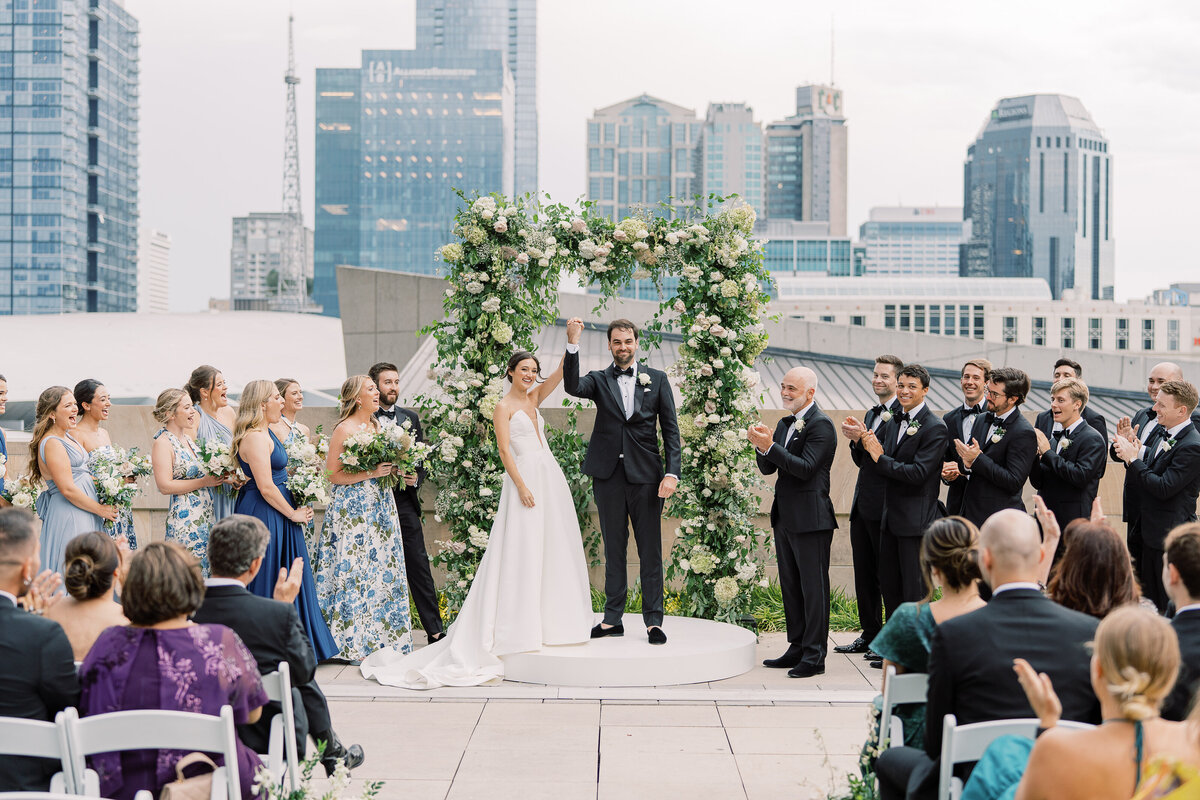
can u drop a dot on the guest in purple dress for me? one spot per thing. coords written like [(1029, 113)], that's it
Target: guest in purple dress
[(163, 661)]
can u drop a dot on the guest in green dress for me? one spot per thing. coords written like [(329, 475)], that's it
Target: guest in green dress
[(948, 562)]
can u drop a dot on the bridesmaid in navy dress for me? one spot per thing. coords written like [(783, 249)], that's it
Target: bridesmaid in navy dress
[(262, 457)]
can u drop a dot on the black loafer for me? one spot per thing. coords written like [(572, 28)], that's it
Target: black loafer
[(859, 645), (351, 756), (871, 655), (785, 661), (656, 635), (876, 664), (806, 671), (436, 637), (600, 631)]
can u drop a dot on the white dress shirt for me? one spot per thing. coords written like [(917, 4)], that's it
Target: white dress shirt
[(968, 422), (1004, 587), (799, 418), (223, 582), (1067, 434), (10, 597), (1171, 432), (879, 417), (998, 423), (912, 415)]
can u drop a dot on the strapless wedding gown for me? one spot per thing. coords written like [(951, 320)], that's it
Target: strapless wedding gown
[(531, 588)]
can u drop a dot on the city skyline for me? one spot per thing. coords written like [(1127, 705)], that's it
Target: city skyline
[(917, 85)]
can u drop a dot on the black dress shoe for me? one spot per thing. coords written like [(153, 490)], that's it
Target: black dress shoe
[(806, 670), (871, 655), (859, 645), (436, 637), (335, 751), (616, 630), (876, 664), (656, 635), (785, 661)]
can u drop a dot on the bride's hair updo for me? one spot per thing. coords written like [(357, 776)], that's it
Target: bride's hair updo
[(1138, 653), (949, 546), (517, 358)]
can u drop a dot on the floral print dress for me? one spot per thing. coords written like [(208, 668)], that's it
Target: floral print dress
[(361, 583), (189, 516)]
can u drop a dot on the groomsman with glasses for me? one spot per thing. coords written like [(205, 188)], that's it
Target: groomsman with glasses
[(999, 456), (961, 422)]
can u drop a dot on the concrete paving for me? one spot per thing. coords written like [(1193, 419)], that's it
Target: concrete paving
[(758, 735)]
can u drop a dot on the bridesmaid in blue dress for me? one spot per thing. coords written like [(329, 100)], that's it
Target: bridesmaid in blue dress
[(68, 506), (261, 456), (178, 474), (94, 402), (206, 386), (288, 430)]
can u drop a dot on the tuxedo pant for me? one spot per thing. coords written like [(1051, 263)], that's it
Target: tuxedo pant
[(416, 565), (1133, 537), (906, 772), (864, 549), (900, 578), (315, 710), (618, 503), (1150, 567), (803, 560)]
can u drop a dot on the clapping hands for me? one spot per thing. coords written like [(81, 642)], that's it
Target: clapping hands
[(853, 429), (759, 436), (968, 452)]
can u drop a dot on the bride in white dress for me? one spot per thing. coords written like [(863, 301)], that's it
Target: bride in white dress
[(531, 588)]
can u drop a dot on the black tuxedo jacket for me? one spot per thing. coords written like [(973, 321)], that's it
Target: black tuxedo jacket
[(1168, 484), (868, 490), (802, 503), (272, 632), (1179, 701), (912, 471), (971, 662), (636, 437), (403, 490), (37, 680), (1045, 423), (1068, 481), (958, 486), (1131, 498), (1001, 469)]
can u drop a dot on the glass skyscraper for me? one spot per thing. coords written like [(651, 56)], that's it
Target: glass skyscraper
[(507, 26), (1037, 187), (730, 153), (68, 156), (394, 139), (806, 161)]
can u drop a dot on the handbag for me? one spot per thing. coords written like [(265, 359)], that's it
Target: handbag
[(197, 787)]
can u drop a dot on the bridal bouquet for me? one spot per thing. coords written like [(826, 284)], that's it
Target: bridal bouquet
[(23, 493), (307, 479), (366, 449), (216, 460), (115, 472)]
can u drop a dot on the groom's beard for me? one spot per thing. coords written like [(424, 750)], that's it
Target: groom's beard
[(623, 361)]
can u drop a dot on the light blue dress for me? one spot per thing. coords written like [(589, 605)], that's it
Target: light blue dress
[(190, 515), (62, 520), (224, 498), (124, 524)]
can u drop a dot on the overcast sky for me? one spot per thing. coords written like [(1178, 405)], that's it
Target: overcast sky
[(918, 79)]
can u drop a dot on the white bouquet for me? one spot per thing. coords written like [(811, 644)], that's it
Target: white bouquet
[(115, 472), (307, 479), (23, 493), (216, 460)]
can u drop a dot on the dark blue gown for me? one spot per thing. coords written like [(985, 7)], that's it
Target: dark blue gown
[(286, 544)]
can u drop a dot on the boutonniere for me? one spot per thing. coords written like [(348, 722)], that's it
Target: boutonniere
[(798, 425), (913, 426), (998, 435), (1168, 444), (643, 379), (886, 416), (1063, 444)]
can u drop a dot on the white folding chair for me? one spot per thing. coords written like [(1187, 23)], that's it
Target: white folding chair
[(154, 730), (281, 749), (37, 738), (908, 688)]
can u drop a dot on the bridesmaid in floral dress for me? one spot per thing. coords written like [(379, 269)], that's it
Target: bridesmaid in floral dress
[(178, 474), (361, 581), (94, 403), (206, 386)]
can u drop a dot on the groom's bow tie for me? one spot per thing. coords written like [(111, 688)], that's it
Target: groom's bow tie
[(389, 414), (993, 419), (790, 420), (627, 371)]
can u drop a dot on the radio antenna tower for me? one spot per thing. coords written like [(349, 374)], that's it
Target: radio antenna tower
[(292, 289)]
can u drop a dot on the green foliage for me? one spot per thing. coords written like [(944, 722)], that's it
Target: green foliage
[(766, 606)]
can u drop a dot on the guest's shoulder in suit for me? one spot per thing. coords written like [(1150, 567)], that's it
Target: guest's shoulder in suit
[(21, 626)]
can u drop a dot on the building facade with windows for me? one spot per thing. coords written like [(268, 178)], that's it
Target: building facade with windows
[(807, 161), (1037, 187), (395, 138), (729, 155), (69, 157), (154, 272), (794, 249), (903, 240), (255, 259)]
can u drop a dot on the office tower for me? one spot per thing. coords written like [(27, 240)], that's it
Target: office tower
[(641, 152), (806, 161), (904, 240), (394, 139), (1037, 187), (507, 26), (69, 157), (255, 260), (154, 272), (730, 154)]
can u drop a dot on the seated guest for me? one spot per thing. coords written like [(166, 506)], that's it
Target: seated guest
[(1095, 574), (948, 561), (970, 661), (1135, 752), (93, 561), (142, 666), (37, 674), (1070, 459), (1182, 578), (272, 631)]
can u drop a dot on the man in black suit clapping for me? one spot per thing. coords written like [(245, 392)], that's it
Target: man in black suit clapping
[(408, 506), (972, 379), (37, 670), (1182, 577), (1000, 454), (1066, 368), (1166, 477), (271, 630), (1070, 458), (801, 451)]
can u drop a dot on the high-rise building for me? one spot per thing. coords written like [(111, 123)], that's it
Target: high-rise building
[(154, 272), (640, 153), (730, 154), (806, 161), (1037, 186), (255, 259), (68, 157), (507, 26), (793, 249), (905, 240), (394, 139)]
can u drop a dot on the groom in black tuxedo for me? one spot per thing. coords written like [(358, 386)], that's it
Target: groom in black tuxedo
[(632, 402), (408, 506)]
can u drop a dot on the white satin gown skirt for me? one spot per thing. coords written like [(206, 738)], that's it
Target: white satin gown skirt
[(531, 588)]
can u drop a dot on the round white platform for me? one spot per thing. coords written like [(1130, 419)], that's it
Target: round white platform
[(697, 651)]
